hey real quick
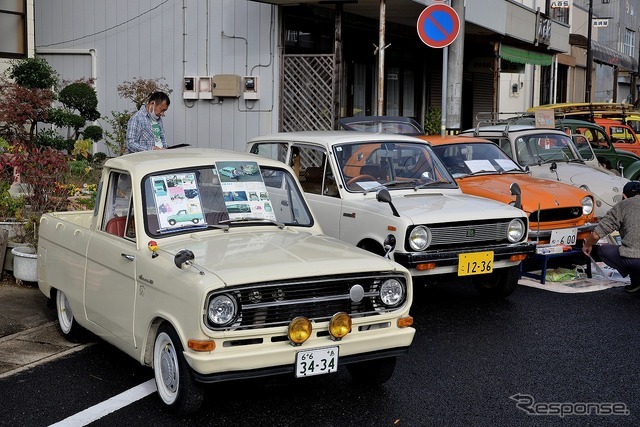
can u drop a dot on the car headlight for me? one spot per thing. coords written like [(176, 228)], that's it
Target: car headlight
[(392, 292), (516, 230), (222, 310), (587, 205), (420, 238)]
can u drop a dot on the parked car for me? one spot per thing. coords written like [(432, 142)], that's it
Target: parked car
[(550, 154), (390, 194), (559, 213), (385, 124), (623, 136), (225, 299), (586, 119)]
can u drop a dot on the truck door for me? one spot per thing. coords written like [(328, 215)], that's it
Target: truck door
[(110, 286)]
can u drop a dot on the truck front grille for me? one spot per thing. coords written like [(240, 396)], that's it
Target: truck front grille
[(267, 304)]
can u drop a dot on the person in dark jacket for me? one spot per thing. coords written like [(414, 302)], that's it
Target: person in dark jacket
[(624, 217)]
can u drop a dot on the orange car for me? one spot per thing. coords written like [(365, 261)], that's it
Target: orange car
[(558, 213), (622, 135)]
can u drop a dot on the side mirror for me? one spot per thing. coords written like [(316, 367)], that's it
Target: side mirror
[(389, 245), (384, 196), (516, 191), (184, 259)]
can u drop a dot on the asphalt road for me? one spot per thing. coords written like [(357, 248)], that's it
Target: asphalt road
[(473, 362)]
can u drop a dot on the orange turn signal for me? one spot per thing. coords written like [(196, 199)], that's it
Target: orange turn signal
[(518, 257), (405, 322), (426, 266), (201, 345)]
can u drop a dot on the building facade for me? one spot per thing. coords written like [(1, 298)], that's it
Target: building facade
[(241, 68)]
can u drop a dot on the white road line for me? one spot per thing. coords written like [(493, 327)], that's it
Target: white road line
[(98, 411)]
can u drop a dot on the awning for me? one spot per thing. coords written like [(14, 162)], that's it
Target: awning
[(606, 55), (522, 56)]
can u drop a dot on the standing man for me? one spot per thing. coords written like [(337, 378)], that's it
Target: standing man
[(625, 218), (145, 130)]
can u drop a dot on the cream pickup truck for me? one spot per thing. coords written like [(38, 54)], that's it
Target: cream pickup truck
[(235, 294)]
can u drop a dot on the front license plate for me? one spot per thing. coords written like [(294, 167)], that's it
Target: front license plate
[(564, 237), (316, 362), (475, 263)]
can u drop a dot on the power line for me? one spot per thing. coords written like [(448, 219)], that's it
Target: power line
[(106, 29)]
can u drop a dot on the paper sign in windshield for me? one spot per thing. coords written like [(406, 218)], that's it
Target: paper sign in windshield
[(178, 201), (480, 166), (244, 191)]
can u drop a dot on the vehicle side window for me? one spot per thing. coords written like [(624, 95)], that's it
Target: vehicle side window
[(505, 144), (118, 218), (315, 175), (273, 151)]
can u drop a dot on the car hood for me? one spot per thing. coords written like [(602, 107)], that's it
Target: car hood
[(607, 188), (548, 194), (240, 256), (421, 208)]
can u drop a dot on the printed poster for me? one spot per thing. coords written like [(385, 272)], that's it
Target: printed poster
[(177, 199), (244, 191)]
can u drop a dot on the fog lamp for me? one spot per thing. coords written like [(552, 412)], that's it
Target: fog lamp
[(340, 325), (299, 330)]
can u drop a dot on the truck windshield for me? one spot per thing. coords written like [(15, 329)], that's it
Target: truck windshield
[(226, 195)]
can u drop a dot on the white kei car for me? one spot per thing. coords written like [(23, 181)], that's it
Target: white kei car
[(390, 194)]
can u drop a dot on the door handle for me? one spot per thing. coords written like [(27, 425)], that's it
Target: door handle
[(128, 257)]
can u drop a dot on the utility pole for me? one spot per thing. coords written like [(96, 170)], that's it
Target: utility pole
[(587, 91), (380, 50)]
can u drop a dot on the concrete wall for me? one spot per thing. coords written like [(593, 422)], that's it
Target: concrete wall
[(170, 40)]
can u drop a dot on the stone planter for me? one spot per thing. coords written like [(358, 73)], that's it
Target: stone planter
[(25, 263)]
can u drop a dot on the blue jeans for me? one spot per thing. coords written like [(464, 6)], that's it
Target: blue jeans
[(610, 255)]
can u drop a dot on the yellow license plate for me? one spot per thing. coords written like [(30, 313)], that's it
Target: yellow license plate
[(475, 263)]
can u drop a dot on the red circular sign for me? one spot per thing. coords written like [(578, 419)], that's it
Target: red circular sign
[(438, 25)]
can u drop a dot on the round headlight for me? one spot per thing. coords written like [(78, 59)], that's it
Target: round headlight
[(222, 310), (391, 292), (516, 230), (587, 205), (420, 238)]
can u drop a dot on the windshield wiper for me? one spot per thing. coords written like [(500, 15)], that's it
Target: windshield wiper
[(254, 219), (224, 227), (427, 184)]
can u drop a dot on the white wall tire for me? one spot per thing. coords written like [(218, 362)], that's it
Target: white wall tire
[(177, 389), (66, 321)]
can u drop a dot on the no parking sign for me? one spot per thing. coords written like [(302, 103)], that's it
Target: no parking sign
[(438, 25)]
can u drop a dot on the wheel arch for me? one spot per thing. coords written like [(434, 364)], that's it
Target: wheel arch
[(371, 245)]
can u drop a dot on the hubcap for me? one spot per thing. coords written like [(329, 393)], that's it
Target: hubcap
[(168, 368)]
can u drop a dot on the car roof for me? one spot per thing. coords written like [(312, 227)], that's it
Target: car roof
[(329, 138), (146, 162), (454, 139), (510, 128)]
